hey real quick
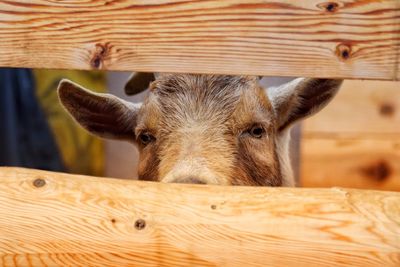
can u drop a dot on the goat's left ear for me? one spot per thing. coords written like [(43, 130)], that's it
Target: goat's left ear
[(138, 82), (301, 98), (104, 115)]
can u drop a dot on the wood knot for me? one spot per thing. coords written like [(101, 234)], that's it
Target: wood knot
[(140, 224), (213, 206), (387, 109), (102, 51), (343, 51), (39, 182), (329, 6), (378, 171)]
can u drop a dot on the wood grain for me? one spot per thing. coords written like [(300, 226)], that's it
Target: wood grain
[(357, 162), (360, 108), (355, 141), (54, 219), (350, 39)]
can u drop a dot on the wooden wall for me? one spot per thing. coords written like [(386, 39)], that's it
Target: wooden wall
[(355, 140)]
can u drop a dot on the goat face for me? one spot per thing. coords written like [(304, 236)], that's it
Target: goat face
[(205, 129)]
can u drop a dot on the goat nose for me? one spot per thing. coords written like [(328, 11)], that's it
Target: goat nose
[(190, 180)]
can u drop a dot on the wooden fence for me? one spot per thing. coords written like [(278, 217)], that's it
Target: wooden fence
[(49, 219), (349, 39), (355, 141)]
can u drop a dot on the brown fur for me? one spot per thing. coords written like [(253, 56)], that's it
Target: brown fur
[(200, 121), (199, 126)]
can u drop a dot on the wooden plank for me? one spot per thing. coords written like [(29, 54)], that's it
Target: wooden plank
[(397, 68), (361, 107), (351, 39), (359, 162), (355, 140), (49, 219)]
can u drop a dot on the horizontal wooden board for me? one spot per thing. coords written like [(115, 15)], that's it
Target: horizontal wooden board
[(358, 162), (360, 107), (355, 140), (351, 38), (53, 219)]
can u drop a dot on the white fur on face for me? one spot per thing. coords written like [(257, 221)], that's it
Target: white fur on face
[(282, 147)]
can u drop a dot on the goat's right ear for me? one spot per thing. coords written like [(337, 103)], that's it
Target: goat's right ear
[(101, 114)]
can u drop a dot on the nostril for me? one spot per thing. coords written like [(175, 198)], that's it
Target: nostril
[(190, 180)]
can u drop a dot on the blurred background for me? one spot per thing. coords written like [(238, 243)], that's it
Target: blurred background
[(353, 142)]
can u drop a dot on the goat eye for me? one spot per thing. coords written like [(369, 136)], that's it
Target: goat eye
[(256, 131), (146, 138)]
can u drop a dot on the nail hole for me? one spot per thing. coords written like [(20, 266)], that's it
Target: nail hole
[(140, 224), (39, 182), (113, 220)]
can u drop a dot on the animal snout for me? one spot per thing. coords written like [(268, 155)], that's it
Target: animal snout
[(190, 180), (191, 171)]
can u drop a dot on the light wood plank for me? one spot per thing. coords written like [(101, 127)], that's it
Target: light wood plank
[(49, 219), (355, 140), (360, 107), (358, 162), (351, 38)]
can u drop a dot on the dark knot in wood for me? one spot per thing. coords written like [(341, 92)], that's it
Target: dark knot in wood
[(387, 109), (102, 51), (140, 224), (39, 182), (378, 171), (329, 6), (343, 51)]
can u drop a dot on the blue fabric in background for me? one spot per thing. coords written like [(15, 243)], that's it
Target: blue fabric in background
[(26, 139)]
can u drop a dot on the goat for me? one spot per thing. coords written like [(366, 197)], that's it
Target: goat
[(204, 129)]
